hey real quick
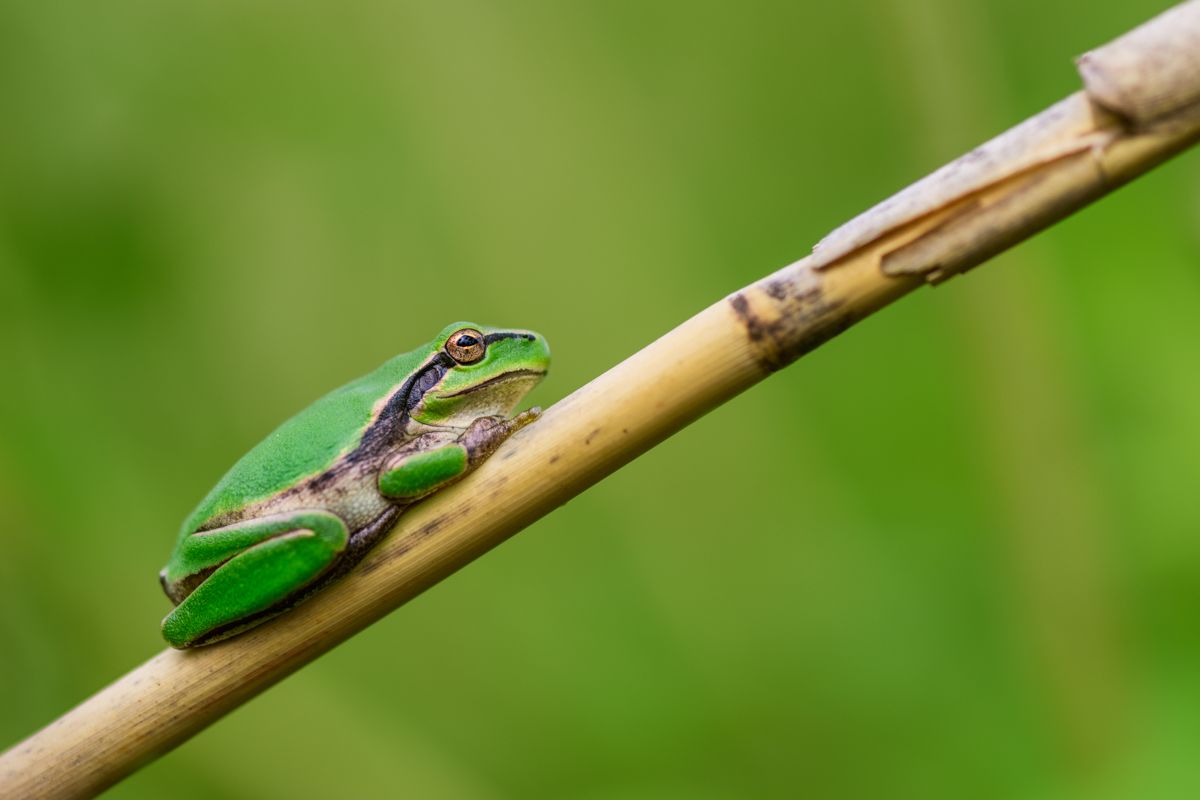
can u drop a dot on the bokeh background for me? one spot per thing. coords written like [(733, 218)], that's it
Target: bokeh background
[(954, 553)]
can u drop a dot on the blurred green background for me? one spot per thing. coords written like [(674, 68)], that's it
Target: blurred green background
[(954, 553)]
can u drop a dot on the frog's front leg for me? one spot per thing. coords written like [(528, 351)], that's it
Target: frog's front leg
[(245, 570), (426, 466)]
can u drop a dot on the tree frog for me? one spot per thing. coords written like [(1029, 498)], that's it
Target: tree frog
[(308, 502)]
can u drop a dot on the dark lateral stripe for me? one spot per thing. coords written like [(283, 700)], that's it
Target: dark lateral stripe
[(495, 337), (390, 422)]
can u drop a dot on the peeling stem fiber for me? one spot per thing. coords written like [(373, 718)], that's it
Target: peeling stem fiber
[(1139, 107)]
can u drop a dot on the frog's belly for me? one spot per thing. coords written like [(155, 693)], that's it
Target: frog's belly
[(352, 496)]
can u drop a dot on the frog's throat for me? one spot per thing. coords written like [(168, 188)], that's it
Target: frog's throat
[(516, 374)]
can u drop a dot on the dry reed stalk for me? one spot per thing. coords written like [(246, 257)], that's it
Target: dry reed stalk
[(1141, 105)]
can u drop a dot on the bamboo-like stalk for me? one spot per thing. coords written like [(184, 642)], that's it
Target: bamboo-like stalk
[(1140, 107)]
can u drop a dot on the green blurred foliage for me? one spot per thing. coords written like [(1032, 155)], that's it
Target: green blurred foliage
[(954, 553)]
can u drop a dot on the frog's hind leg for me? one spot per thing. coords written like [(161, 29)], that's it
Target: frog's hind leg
[(252, 568)]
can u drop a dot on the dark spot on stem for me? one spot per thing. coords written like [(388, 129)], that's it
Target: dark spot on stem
[(777, 289), (741, 307), (429, 528), (799, 318)]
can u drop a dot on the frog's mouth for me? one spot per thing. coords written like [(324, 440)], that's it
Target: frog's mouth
[(517, 374)]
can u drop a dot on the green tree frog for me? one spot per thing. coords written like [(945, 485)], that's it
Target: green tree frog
[(307, 503)]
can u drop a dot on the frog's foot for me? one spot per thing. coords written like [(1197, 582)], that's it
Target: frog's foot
[(248, 571), (412, 474), (487, 433)]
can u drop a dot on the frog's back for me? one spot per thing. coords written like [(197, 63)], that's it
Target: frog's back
[(304, 446)]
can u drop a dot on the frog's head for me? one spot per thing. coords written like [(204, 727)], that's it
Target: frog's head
[(480, 371)]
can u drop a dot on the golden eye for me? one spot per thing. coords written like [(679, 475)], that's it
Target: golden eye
[(466, 346)]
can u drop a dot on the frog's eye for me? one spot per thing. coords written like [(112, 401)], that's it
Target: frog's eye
[(466, 346)]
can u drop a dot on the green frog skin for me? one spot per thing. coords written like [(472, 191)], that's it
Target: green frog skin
[(307, 503)]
